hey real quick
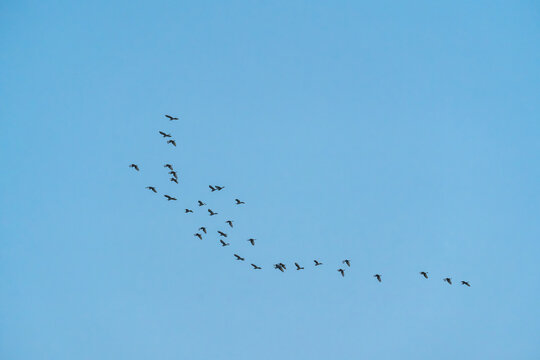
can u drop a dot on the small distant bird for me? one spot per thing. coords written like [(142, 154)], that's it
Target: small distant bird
[(171, 118), (219, 188), (317, 263), (198, 235), (168, 166), (169, 198), (201, 203), (298, 267), (424, 274), (378, 277), (223, 243), (188, 211), (173, 180), (229, 222), (134, 166), (238, 257), (165, 135), (238, 202), (171, 142), (342, 272), (211, 212), (283, 265), (448, 280), (212, 188), (221, 233), (465, 283), (173, 173), (347, 262), (152, 188), (255, 267), (252, 241), (203, 229), (279, 267)]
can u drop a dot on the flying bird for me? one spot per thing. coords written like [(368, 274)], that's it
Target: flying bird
[(188, 211), (465, 283), (298, 267), (238, 202), (201, 203), (238, 257), (252, 241), (173, 180), (342, 272), (168, 166), (211, 212), (255, 267), (134, 166), (173, 173), (283, 265), (279, 267), (171, 118), (212, 188), (221, 233), (223, 243), (169, 198), (424, 274), (152, 188), (229, 222), (347, 262), (317, 263), (198, 235), (171, 142), (203, 229), (448, 280), (378, 277), (219, 188), (165, 135)]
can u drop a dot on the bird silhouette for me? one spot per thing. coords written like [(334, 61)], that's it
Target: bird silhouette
[(211, 212), (171, 118), (223, 243), (152, 188), (229, 222), (238, 202), (221, 233), (203, 229), (255, 267), (317, 263), (283, 265), (424, 274), (171, 142), (219, 188), (174, 174), (448, 280), (252, 241), (173, 180), (212, 188), (201, 203), (238, 257), (378, 277), (465, 283), (165, 135), (198, 235), (134, 166), (169, 198), (279, 267), (342, 272), (298, 267), (347, 262), (188, 211), (168, 166)]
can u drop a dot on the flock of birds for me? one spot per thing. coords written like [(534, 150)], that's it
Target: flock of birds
[(222, 235)]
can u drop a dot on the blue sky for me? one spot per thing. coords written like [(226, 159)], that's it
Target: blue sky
[(400, 135)]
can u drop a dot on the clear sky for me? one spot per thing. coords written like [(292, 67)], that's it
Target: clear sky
[(402, 135)]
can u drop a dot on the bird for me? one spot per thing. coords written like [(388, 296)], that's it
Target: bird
[(152, 188), (174, 174), (188, 211), (448, 280), (134, 166), (198, 235), (342, 272), (211, 212), (223, 243), (238, 202), (378, 277), (171, 118), (173, 180), (255, 267), (171, 142), (298, 267), (219, 188), (212, 188), (203, 229), (221, 233), (169, 198), (465, 283), (201, 203), (229, 222), (317, 263), (279, 267), (165, 135), (424, 274), (168, 166), (238, 257), (283, 265), (347, 262), (252, 241)]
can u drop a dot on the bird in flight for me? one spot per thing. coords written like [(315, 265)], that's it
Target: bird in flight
[(298, 267), (174, 174), (342, 272), (229, 222), (203, 229), (279, 267), (378, 277), (347, 262), (317, 263), (168, 166), (223, 243), (448, 280), (238, 257), (188, 211), (201, 203), (221, 233), (134, 166), (255, 267), (212, 188), (169, 198), (171, 142), (171, 118), (219, 188), (198, 235), (238, 202), (283, 265), (424, 274), (252, 241), (173, 180), (165, 135), (465, 283), (211, 212), (152, 188)]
